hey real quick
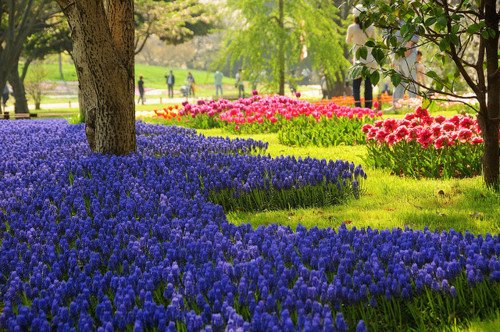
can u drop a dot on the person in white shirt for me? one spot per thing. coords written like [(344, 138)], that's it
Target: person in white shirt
[(358, 35)]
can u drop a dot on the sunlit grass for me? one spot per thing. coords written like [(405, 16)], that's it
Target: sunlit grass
[(388, 201)]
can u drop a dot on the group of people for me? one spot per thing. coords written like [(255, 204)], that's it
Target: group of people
[(188, 90), (409, 65)]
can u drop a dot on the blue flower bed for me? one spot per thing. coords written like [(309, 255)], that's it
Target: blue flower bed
[(90, 242)]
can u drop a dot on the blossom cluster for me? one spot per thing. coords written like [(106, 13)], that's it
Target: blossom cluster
[(421, 145), (93, 242), (258, 109), (425, 129)]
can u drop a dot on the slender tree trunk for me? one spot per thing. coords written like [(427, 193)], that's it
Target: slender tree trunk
[(60, 67), (281, 48), (103, 50), (21, 104), (489, 118)]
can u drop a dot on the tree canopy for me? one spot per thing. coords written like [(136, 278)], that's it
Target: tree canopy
[(173, 21), (467, 35), (269, 39)]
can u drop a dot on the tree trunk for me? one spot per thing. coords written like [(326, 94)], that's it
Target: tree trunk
[(489, 118), (61, 74), (281, 49), (21, 104), (103, 50)]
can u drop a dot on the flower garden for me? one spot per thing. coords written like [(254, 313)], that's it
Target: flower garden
[(143, 242)]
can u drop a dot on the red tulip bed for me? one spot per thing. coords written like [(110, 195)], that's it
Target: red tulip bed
[(421, 145), (297, 122)]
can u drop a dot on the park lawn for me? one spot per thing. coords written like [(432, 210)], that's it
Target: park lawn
[(388, 201), (154, 76)]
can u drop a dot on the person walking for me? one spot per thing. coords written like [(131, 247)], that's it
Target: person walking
[(5, 96), (170, 84), (191, 83), (239, 84), (218, 76), (358, 35), (140, 85)]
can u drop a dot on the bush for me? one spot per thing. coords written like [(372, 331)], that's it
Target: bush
[(424, 146), (306, 130)]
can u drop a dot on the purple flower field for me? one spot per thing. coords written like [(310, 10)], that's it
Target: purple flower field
[(92, 242)]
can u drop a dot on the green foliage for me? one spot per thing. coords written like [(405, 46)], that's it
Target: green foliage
[(430, 310), (411, 159), (256, 35), (272, 198), (306, 130), (174, 22), (452, 39), (388, 201)]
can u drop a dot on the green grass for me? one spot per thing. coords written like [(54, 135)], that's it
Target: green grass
[(490, 325), (154, 77), (388, 201)]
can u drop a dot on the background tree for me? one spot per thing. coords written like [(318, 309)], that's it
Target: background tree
[(467, 34), (173, 21), (35, 84), (18, 20), (102, 32), (270, 38)]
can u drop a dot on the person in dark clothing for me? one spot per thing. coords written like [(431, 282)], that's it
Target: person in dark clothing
[(170, 84), (5, 96), (191, 82), (140, 84)]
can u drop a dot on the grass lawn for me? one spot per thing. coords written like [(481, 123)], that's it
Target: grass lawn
[(388, 201), (154, 77)]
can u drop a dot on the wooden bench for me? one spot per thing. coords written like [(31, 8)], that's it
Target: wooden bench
[(18, 116)]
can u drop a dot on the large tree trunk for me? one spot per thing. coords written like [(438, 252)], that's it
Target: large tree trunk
[(281, 49), (103, 50), (21, 104), (490, 117)]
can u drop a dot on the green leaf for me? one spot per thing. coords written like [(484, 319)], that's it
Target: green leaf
[(404, 30), (441, 23), (473, 28), (455, 40), (393, 41), (396, 79), (485, 34), (444, 44), (370, 43), (378, 55), (375, 77), (362, 53), (432, 74), (430, 21)]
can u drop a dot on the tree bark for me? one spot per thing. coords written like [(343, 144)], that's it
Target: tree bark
[(281, 48), (489, 118), (103, 50), (21, 103)]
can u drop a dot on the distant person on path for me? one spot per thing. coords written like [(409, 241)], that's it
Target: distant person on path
[(140, 84), (170, 84), (218, 76), (5, 96), (191, 82), (358, 35), (239, 84)]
